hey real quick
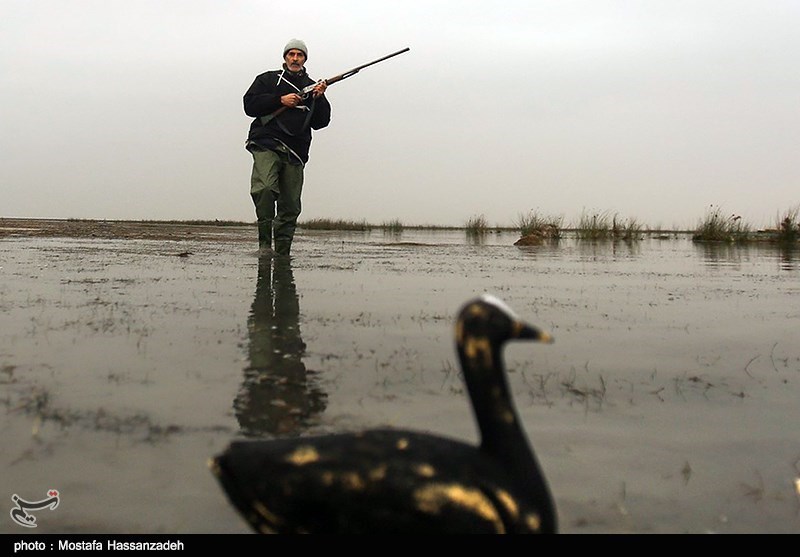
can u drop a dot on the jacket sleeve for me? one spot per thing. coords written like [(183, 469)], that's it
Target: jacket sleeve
[(261, 98), (322, 113)]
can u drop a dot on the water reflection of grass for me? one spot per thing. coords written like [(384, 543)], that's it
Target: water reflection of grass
[(38, 403), (600, 390)]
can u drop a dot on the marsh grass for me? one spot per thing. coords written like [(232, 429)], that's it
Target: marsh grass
[(596, 226), (540, 225), (716, 227), (605, 226), (195, 222), (335, 224), (626, 230), (477, 226), (210, 222), (394, 226), (789, 226)]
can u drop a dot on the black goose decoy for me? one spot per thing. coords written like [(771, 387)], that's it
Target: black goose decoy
[(395, 481)]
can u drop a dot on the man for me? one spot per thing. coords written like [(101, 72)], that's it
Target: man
[(279, 140)]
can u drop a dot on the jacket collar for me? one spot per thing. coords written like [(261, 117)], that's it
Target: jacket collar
[(301, 73)]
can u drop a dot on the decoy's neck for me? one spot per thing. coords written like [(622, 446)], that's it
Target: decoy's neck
[(485, 377), (502, 436)]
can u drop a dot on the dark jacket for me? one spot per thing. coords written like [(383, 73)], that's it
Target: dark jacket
[(293, 126)]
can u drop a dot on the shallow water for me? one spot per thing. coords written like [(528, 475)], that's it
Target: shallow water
[(666, 404)]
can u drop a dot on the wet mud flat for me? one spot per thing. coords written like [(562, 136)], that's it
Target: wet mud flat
[(131, 354)]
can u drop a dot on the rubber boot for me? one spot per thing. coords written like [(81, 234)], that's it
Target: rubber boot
[(265, 239), (283, 246)]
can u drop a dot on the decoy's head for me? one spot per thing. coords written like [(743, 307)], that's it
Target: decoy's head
[(488, 322)]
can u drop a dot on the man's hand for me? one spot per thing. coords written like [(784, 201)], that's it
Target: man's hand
[(291, 100), (319, 89)]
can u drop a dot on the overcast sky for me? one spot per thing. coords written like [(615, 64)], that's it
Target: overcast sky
[(652, 110)]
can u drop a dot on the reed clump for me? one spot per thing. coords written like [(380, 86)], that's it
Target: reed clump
[(717, 227), (335, 224), (394, 226), (789, 226), (477, 226), (543, 226), (595, 226), (626, 230), (605, 226)]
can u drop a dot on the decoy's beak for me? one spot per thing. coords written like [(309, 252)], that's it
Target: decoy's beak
[(522, 330)]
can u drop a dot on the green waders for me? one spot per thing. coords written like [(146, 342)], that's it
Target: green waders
[(277, 181)]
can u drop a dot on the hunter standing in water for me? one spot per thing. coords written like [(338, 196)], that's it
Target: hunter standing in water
[(279, 140)]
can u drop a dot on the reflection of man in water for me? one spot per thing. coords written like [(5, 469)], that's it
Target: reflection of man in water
[(277, 395)]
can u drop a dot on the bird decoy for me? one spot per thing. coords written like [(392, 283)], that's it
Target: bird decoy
[(397, 481)]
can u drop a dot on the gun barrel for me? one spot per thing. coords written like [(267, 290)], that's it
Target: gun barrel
[(307, 90), (392, 55), (355, 70)]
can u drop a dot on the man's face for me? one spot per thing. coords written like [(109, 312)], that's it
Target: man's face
[(295, 59)]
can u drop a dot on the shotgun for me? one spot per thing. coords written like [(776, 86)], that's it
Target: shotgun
[(335, 79)]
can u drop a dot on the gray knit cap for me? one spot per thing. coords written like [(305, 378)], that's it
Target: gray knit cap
[(295, 43)]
